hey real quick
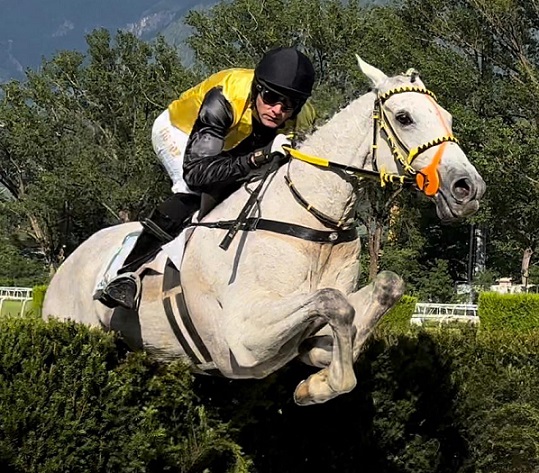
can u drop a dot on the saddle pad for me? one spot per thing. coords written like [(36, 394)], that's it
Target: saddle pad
[(172, 252), (111, 267), (176, 248)]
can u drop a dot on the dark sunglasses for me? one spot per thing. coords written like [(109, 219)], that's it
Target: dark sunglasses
[(269, 97)]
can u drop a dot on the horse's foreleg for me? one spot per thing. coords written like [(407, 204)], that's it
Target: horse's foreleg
[(338, 377), (370, 303), (302, 314)]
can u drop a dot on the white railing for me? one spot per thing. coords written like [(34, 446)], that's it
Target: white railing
[(17, 293), (442, 313), (23, 294)]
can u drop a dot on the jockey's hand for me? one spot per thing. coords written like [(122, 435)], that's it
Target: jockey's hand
[(273, 150)]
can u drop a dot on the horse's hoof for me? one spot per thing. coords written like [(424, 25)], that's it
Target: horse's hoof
[(302, 396)]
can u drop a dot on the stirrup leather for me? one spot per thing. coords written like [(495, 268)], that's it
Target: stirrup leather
[(156, 230)]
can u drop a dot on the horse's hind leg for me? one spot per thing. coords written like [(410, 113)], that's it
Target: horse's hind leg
[(370, 303)]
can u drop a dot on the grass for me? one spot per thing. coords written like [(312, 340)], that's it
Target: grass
[(14, 307)]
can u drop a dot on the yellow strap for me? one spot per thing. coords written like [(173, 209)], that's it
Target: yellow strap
[(306, 157)]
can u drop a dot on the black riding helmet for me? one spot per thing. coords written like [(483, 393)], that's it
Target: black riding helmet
[(286, 71)]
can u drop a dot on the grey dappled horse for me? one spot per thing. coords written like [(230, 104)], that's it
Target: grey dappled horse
[(289, 289)]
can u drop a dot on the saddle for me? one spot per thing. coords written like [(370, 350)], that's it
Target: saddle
[(171, 253)]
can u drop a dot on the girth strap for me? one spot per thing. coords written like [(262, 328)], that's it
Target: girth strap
[(291, 229), (182, 325)]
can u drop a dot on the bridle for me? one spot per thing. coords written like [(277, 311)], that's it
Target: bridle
[(426, 179)]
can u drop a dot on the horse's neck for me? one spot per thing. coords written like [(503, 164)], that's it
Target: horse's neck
[(345, 139)]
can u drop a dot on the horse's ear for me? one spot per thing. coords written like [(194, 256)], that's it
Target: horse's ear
[(413, 74), (375, 75)]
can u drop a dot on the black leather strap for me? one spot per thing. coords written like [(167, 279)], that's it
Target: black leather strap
[(189, 334), (298, 231)]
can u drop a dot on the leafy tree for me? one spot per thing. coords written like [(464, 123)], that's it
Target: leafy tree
[(435, 283), (500, 110), (484, 280), (413, 250), (75, 149)]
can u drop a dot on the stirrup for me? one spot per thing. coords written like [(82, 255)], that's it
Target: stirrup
[(123, 290)]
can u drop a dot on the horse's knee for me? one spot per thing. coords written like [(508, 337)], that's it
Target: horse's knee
[(388, 288), (332, 303)]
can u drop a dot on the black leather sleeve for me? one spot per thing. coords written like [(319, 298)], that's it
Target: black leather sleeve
[(205, 163)]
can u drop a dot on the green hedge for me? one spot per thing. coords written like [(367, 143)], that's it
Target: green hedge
[(38, 296), (515, 312), (72, 400), (426, 402)]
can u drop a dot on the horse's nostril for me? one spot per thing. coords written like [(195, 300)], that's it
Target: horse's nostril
[(462, 189)]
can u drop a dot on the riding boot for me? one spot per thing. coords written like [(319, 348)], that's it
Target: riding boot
[(165, 223)]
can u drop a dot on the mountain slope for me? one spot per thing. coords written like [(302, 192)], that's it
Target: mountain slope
[(32, 29)]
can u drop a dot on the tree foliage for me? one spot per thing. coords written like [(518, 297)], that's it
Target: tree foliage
[(499, 110), (75, 151)]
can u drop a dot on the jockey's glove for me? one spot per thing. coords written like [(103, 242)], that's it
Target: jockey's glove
[(273, 150)]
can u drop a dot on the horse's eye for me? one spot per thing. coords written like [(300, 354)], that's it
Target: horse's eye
[(404, 118)]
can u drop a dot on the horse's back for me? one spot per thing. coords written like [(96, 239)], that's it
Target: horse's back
[(69, 295)]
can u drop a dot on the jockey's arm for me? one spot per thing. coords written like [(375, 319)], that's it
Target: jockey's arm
[(205, 163)]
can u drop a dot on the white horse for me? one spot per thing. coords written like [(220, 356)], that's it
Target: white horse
[(289, 289)]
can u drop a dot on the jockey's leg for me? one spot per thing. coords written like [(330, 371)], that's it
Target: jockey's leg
[(166, 223)]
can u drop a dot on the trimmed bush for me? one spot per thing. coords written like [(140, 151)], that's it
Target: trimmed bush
[(425, 402), (73, 400), (515, 312), (38, 296), (398, 318)]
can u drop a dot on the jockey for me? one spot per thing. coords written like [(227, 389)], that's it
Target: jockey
[(212, 139)]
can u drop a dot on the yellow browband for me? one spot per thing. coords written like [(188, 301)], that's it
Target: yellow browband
[(407, 88)]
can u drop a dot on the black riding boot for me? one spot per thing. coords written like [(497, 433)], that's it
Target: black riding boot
[(166, 223)]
